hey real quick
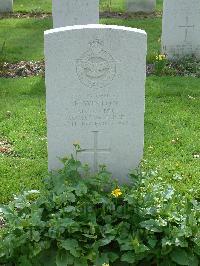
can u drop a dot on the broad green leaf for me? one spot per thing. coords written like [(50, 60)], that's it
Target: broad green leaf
[(128, 257), (106, 240), (35, 236), (80, 262), (81, 189), (48, 257), (24, 261), (180, 256), (112, 256), (151, 225), (167, 262), (100, 260), (193, 260), (64, 258), (72, 246), (70, 209), (152, 242), (5, 210)]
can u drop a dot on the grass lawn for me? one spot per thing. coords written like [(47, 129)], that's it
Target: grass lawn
[(33, 5), (22, 123), (120, 5), (171, 132), (172, 128), (171, 153), (45, 5), (23, 38), (171, 122)]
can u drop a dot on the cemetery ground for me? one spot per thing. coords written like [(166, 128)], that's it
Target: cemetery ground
[(172, 117), (45, 6), (171, 120), (171, 132)]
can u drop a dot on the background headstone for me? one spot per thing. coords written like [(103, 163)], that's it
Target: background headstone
[(6, 6), (95, 80), (146, 6), (181, 28), (75, 12)]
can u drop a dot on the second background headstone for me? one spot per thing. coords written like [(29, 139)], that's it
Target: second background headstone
[(181, 28), (75, 12), (146, 6)]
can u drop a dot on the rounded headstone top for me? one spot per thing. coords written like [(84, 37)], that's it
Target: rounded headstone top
[(94, 26)]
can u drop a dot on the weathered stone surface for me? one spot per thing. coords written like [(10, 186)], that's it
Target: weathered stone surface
[(75, 12), (95, 79), (146, 6), (181, 28), (6, 6)]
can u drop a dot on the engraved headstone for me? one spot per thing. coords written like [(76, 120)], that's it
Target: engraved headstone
[(181, 28), (75, 12), (95, 79), (6, 6), (146, 6)]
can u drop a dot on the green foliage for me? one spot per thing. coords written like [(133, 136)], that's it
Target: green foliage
[(186, 66), (82, 219), (160, 64), (112, 5)]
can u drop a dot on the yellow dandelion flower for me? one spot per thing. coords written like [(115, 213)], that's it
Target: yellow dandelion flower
[(160, 57), (116, 193), (105, 264)]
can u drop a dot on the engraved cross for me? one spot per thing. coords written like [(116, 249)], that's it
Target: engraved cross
[(95, 150), (187, 27)]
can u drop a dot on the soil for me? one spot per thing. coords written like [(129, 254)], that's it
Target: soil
[(16, 15), (106, 14), (22, 69)]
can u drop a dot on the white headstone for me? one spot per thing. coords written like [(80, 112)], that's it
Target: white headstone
[(75, 12), (6, 6), (181, 28), (95, 80), (146, 6)]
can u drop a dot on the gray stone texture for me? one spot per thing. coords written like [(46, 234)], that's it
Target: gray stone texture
[(146, 6), (6, 6), (75, 12), (181, 28), (95, 85)]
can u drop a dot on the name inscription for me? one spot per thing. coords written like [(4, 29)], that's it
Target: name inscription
[(96, 110)]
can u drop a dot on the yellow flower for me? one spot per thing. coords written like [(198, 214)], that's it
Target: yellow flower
[(160, 57), (116, 193), (105, 264)]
